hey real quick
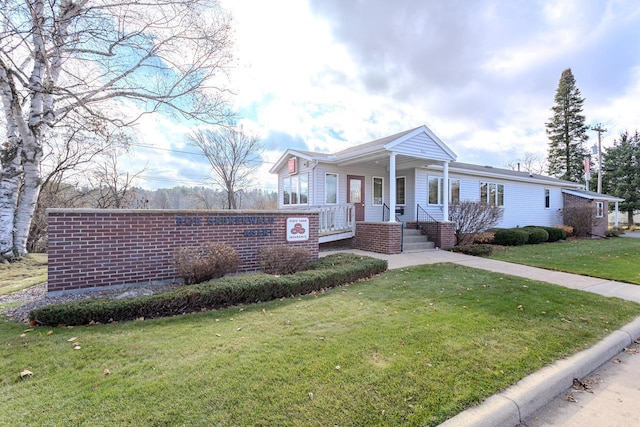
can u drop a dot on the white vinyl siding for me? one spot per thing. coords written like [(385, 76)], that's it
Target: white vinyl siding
[(422, 146)]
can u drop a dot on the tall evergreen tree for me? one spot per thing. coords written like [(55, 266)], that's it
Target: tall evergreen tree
[(567, 131), (621, 177)]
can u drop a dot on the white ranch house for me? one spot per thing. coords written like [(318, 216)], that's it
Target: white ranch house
[(413, 177)]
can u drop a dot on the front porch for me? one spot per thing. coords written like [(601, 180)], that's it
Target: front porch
[(337, 222)]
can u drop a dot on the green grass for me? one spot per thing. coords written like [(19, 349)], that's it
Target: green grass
[(409, 347), (613, 259), (29, 271)]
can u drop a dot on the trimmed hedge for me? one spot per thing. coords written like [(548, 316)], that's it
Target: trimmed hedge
[(510, 237), (536, 235), (555, 234), (330, 271)]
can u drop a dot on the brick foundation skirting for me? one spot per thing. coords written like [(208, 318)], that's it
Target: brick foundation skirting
[(443, 233), (91, 249), (381, 237)]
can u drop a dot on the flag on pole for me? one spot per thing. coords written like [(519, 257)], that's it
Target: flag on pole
[(587, 168)]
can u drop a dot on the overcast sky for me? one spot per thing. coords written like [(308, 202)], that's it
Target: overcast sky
[(323, 75)]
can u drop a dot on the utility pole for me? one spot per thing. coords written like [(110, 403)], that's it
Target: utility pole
[(598, 128)]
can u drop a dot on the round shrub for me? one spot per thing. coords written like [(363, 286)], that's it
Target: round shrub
[(283, 259), (536, 235), (205, 262), (555, 234), (510, 237)]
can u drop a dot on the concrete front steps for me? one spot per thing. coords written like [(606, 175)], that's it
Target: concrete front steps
[(414, 240)]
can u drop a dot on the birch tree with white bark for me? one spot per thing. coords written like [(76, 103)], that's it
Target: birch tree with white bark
[(99, 60)]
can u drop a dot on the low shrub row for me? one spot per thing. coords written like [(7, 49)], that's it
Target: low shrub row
[(478, 249), (327, 272), (528, 235)]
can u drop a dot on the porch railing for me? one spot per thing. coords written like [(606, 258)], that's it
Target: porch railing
[(336, 218)]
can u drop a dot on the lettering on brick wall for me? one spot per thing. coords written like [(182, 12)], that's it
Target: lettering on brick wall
[(215, 221)]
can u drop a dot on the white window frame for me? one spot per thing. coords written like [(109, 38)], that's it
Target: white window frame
[(326, 193), (373, 191), (404, 186), (496, 198), (441, 190), (599, 209), (547, 198), (451, 180), (294, 182)]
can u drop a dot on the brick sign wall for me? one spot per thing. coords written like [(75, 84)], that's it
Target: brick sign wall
[(91, 249)]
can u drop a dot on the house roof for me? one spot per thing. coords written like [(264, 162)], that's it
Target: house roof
[(491, 171), (377, 150), (592, 195), (373, 150)]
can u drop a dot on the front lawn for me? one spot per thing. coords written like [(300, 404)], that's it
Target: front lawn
[(30, 270), (412, 346), (613, 259)]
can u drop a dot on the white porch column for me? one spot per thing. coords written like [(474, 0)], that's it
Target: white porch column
[(447, 190), (392, 187), (616, 221)]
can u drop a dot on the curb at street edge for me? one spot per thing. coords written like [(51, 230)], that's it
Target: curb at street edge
[(511, 406)]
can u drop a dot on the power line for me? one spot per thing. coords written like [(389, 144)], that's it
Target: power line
[(151, 147), (172, 150)]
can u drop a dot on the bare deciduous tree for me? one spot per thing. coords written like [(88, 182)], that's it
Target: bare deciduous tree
[(473, 217), (109, 187), (93, 60), (529, 162), (233, 155)]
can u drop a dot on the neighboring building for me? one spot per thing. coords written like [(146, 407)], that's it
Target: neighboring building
[(414, 175)]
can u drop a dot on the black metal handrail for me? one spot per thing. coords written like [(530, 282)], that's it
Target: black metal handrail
[(386, 213), (424, 218)]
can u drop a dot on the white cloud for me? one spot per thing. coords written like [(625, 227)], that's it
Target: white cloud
[(482, 75)]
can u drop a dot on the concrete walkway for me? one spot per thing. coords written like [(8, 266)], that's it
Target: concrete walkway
[(611, 368)]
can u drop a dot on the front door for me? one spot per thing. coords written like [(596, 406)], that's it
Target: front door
[(355, 194)]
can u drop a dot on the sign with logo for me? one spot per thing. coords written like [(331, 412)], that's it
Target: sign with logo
[(297, 229), (293, 166)]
